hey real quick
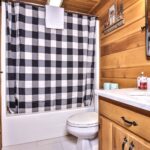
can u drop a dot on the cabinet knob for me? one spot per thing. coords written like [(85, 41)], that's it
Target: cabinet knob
[(129, 123), (143, 28), (131, 146), (124, 143)]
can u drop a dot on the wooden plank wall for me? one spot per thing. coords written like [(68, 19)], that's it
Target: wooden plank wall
[(123, 54)]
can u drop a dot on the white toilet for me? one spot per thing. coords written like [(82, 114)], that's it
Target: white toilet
[(85, 127)]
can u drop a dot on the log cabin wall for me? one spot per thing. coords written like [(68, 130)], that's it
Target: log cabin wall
[(123, 54)]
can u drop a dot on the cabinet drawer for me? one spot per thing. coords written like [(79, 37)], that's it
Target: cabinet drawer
[(135, 122)]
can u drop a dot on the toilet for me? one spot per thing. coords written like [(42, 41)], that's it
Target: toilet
[(85, 127)]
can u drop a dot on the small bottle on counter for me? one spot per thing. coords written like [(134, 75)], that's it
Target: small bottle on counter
[(138, 81), (142, 81)]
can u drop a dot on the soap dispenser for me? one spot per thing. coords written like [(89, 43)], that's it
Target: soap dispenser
[(142, 81), (138, 81)]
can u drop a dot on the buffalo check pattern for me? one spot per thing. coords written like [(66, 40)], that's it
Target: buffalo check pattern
[(48, 69)]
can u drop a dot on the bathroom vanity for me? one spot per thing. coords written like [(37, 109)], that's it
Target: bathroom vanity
[(124, 117)]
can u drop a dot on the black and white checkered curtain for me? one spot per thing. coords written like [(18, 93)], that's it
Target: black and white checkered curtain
[(48, 69)]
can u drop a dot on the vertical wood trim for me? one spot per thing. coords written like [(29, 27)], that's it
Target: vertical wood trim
[(0, 82)]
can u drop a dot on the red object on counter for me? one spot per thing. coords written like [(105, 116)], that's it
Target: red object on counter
[(142, 82), (143, 85)]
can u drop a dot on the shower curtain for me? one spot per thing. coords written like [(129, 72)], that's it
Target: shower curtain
[(48, 69)]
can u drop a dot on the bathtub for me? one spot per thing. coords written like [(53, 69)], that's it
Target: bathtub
[(18, 129)]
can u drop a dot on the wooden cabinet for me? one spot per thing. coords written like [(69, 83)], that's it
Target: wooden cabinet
[(105, 134), (136, 143), (124, 140), (119, 138), (115, 135)]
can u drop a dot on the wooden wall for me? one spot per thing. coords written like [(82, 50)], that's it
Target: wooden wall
[(123, 54)]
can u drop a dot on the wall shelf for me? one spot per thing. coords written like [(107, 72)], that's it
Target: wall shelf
[(114, 26)]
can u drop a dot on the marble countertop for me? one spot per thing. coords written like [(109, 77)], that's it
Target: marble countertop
[(129, 96)]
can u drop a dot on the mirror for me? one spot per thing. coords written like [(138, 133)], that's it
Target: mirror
[(148, 28)]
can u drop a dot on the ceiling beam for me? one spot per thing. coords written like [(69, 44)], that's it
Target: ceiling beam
[(96, 5), (83, 6)]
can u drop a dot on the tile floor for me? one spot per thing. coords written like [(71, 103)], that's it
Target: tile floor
[(62, 143)]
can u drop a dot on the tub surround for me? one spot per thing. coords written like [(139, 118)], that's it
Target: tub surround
[(130, 96)]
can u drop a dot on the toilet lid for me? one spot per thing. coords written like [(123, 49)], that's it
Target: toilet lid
[(85, 119)]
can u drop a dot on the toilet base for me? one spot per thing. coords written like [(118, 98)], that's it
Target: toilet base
[(83, 144)]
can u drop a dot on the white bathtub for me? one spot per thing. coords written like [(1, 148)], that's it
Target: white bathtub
[(19, 129)]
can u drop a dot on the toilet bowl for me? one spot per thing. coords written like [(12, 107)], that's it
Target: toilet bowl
[(85, 127)]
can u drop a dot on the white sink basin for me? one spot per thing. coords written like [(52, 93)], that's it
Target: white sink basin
[(139, 93), (131, 96)]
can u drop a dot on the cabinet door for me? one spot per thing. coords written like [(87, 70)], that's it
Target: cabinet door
[(105, 134), (136, 143), (119, 138), (125, 140), (114, 137)]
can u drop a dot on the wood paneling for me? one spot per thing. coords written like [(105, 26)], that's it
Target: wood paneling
[(105, 4), (134, 40), (124, 72), (84, 6), (123, 52), (129, 58), (128, 14), (126, 77), (131, 14), (124, 31)]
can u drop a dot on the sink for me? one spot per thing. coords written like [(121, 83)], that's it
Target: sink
[(130, 96), (139, 93)]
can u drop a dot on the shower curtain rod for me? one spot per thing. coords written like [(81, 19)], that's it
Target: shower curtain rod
[(75, 12), (80, 13)]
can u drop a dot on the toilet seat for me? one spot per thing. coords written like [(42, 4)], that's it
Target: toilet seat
[(83, 120)]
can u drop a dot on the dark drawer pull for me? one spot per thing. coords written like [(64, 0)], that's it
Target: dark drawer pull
[(131, 146), (124, 143), (129, 123), (143, 28)]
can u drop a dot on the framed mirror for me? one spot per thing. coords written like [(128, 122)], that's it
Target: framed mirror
[(148, 28)]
